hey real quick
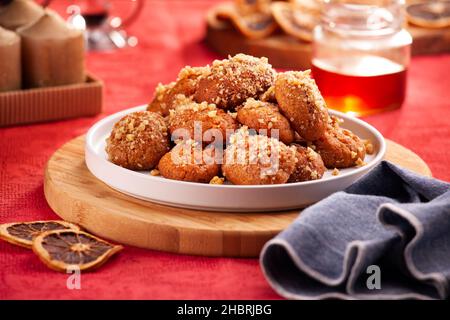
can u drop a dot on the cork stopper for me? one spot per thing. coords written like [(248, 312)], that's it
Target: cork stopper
[(19, 13), (8, 37)]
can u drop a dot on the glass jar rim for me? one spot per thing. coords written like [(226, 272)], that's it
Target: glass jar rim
[(356, 18)]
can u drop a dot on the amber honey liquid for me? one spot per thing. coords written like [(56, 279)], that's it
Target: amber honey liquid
[(361, 85)]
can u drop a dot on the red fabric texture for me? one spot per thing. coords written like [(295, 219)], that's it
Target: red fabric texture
[(170, 34)]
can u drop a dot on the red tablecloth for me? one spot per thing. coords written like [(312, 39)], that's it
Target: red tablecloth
[(170, 34)]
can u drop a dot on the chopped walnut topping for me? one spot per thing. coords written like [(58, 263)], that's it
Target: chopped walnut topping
[(311, 145), (369, 146), (191, 105), (269, 95), (233, 114), (217, 180), (154, 172), (359, 162), (237, 78), (193, 72), (162, 90), (303, 81), (212, 113), (311, 154)]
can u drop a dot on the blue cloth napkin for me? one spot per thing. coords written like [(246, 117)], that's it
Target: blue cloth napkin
[(387, 236)]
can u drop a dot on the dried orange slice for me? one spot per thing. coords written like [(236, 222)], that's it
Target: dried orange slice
[(294, 21), (429, 14), (22, 233), (253, 25), (312, 6), (216, 20), (63, 249), (252, 6)]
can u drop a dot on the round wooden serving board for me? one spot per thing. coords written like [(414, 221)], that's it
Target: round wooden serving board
[(77, 196)]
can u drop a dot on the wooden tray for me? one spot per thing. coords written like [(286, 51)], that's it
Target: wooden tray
[(77, 196), (51, 103), (284, 51)]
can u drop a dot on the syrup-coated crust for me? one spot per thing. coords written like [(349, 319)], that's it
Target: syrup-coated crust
[(233, 80), (186, 85), (300, 101), (266, 116), (340, 148), (309, 165), (256, 168), (186, 163)]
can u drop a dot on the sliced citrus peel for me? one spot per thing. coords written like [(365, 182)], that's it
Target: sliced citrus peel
[(429, 14), (253, 25), (252, 6), (62, 250), (294, 21), (216, 20), (22, 233), (312, 6)]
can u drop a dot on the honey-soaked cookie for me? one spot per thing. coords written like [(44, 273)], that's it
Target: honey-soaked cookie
[(234, 80), (309, 165), (340, 148), (300, 101), (186, 85), (138, 141), (200, 121), (162, 99), (187, 161), (257, 159), (265, 116)]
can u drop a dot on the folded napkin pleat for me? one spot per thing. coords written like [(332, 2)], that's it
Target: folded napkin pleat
[(387, 236)]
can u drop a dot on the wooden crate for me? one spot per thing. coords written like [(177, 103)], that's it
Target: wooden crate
[(51, 103)]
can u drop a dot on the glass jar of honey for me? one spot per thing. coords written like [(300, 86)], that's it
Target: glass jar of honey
[(361, 54)]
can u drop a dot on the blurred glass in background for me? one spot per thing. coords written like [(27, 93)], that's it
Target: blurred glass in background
[(104, 30)]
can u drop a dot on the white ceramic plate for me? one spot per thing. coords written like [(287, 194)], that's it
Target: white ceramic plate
[(223, 197)]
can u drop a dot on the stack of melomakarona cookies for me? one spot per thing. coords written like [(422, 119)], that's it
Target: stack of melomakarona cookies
[(237, 120)]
